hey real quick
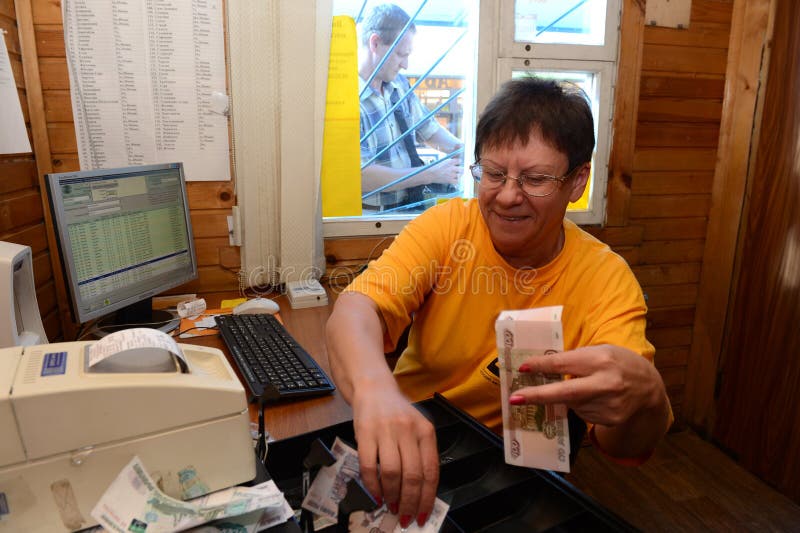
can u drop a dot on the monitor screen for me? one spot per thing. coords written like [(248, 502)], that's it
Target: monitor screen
[(124, 235)]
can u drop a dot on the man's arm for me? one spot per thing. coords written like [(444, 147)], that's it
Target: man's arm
[(389, 430), (375, 176), (444, 141), (612, 387)]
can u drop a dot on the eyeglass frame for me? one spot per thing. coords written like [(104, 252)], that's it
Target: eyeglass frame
[(560, 180)]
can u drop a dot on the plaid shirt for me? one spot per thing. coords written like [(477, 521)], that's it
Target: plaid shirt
[(374, 106)]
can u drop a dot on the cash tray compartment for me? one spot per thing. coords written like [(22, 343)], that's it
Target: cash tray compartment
[(484, 493)]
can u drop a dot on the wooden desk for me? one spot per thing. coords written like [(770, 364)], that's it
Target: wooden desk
[(307, 326)]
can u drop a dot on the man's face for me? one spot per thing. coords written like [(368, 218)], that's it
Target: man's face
[(526, 230), (397, 60)]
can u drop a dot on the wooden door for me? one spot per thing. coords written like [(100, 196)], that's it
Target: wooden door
[(758, 409)]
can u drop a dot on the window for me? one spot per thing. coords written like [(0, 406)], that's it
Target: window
[(440, 73), (575, 41)]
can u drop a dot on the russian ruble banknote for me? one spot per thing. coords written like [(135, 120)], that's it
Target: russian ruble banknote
[(534, 435), (133, 502), (330, 484), (382, 521)]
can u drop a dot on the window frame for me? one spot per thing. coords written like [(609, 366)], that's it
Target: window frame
[(497, 47), (605, 71)]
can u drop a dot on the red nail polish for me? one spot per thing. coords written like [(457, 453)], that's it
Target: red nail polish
[(405, 521), (393, 508), (421, 518), (524, 367), (516, 400)]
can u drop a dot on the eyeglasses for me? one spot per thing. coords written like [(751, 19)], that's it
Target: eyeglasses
[(531, 184)]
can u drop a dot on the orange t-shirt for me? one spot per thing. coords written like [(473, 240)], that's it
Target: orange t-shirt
[(444, 270)]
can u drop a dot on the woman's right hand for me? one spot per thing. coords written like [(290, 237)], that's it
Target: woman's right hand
[(397, 451)]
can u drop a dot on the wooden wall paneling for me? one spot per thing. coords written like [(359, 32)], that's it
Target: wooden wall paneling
[(748, 34), (626, 101), (41, 146), (668, 274), (671, 295), (670, 357), (680, 109), (45, 11), (7, 9), (672, 182), (658, 252), (50, 42), (702, 35), (210, 194), (661, 57), (18, 174), (669, 135), (57, 106), (681, 85), (674, 159), (757, 411), (672, 316), (695, 205), (664, 229), (711, 11)]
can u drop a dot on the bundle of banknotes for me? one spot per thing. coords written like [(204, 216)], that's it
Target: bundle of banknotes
[(533, 435), (133, 502), (329, 487)]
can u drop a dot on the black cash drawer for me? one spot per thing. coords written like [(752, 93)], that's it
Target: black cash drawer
[(484, 493)]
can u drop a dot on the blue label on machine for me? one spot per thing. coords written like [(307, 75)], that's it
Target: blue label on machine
[(54, 363)]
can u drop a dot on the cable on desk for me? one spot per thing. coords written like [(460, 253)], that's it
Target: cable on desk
[(261, 443)]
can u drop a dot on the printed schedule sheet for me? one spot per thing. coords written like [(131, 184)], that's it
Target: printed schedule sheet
[(143, 75)]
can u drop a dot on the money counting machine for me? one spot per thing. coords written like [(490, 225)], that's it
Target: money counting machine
[(484, 493), (66, 430)]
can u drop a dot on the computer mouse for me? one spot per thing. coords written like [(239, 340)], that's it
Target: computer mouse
[(256, 306)]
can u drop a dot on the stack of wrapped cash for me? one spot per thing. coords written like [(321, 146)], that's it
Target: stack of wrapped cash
[(533, 435)]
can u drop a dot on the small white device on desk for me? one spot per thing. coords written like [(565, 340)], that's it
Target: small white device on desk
[(20, 322), (306, 293), (72, 415)]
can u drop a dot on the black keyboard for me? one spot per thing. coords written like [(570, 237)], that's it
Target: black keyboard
[(273, 364)]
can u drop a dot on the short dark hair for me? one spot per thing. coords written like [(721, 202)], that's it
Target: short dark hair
[(387, 21), (558, 111)]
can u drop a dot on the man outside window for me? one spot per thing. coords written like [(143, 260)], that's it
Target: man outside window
[(378, 32)]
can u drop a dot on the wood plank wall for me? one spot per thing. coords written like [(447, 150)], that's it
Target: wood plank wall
[(680, 106), (21, 207), (210, 202), (669, 197)]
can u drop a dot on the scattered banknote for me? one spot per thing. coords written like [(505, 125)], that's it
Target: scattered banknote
[(534, 435), (382, 521), (253, 521), (133, 502), (330, 484)]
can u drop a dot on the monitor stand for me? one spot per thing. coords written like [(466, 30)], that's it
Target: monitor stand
[(138, 315)]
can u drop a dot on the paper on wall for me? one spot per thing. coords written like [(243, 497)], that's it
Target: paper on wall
[(13, 134)]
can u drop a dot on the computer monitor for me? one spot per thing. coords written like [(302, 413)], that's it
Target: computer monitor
[(124, 236)]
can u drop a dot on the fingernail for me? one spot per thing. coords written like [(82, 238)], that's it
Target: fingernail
[(516, 399), (524, 367), (421, 518), (405, 521), (393, 508)]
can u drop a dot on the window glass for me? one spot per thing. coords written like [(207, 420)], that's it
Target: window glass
[(588, 82), (559, 22), (424, 84)]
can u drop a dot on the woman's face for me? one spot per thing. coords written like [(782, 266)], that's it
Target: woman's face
[(526, 230)]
